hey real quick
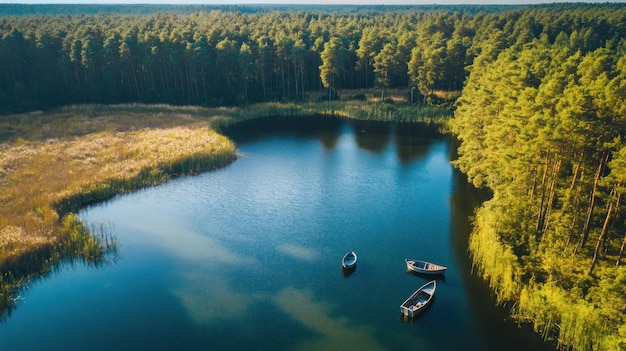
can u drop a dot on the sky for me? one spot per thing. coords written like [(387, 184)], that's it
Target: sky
[(319, 2)]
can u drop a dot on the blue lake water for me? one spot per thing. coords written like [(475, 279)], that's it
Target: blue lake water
[(248, 257)]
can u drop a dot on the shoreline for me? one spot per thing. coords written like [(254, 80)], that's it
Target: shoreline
[(55, 163)]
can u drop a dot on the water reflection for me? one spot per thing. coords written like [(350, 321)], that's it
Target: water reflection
[(323, 127), (332, 332), (347, 272), (411, 141), (45, 263), (208, 297), (373, 136), (298, 252), (328, 139), (180, 240)]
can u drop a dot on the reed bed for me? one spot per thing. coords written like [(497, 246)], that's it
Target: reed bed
[(345, 109), (53, 164)]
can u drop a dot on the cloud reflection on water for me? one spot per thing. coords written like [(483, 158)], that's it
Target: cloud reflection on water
[(298, 252), (185, 243), (210, 299), (203, 289), (335, 333)]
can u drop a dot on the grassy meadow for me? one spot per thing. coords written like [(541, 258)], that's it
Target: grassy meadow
[(54, 163)]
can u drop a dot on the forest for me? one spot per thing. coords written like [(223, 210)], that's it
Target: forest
[(229, 57), (539, 111)]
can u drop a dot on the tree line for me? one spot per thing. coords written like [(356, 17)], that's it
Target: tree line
[(185, 9), (233, 57)]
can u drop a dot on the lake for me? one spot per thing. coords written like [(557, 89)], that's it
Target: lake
[(248, 257)]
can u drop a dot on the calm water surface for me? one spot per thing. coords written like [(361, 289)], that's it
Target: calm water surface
[(249, 257)]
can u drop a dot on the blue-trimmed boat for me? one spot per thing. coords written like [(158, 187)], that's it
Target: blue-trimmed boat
[(349, 260)]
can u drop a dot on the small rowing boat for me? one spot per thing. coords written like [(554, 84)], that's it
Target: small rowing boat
[(349, 260), (420, 299), (424, 267)]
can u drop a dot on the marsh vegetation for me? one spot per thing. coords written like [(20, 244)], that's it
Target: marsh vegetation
[(53, 164)]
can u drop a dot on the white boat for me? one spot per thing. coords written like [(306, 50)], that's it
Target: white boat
[(349, 260), (420, 299), (424, 267)]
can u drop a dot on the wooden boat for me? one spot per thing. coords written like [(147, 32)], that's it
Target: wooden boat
[(424, 267), (420, 299), (349, 260)]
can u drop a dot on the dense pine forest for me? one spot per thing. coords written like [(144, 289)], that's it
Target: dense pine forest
[(540, 115), (230, 57), (226, 57)]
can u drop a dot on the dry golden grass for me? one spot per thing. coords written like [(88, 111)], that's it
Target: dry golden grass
[(374, 95), (447, 95), (50, 158)]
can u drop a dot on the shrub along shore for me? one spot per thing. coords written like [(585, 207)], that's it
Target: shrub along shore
[(54, 163)]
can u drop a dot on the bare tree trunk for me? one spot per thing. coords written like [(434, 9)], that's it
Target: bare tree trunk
[(282, 77), (204, 92), (302, 78), (601, 238), (367, 66), (531, 195), (263, 81), (296, 78), (621, 252), (574, 218), (551, 193), (607, 238), (543, 194), (576, 170), (579, 169), (134, 77), (162, 82), (592, 201)]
